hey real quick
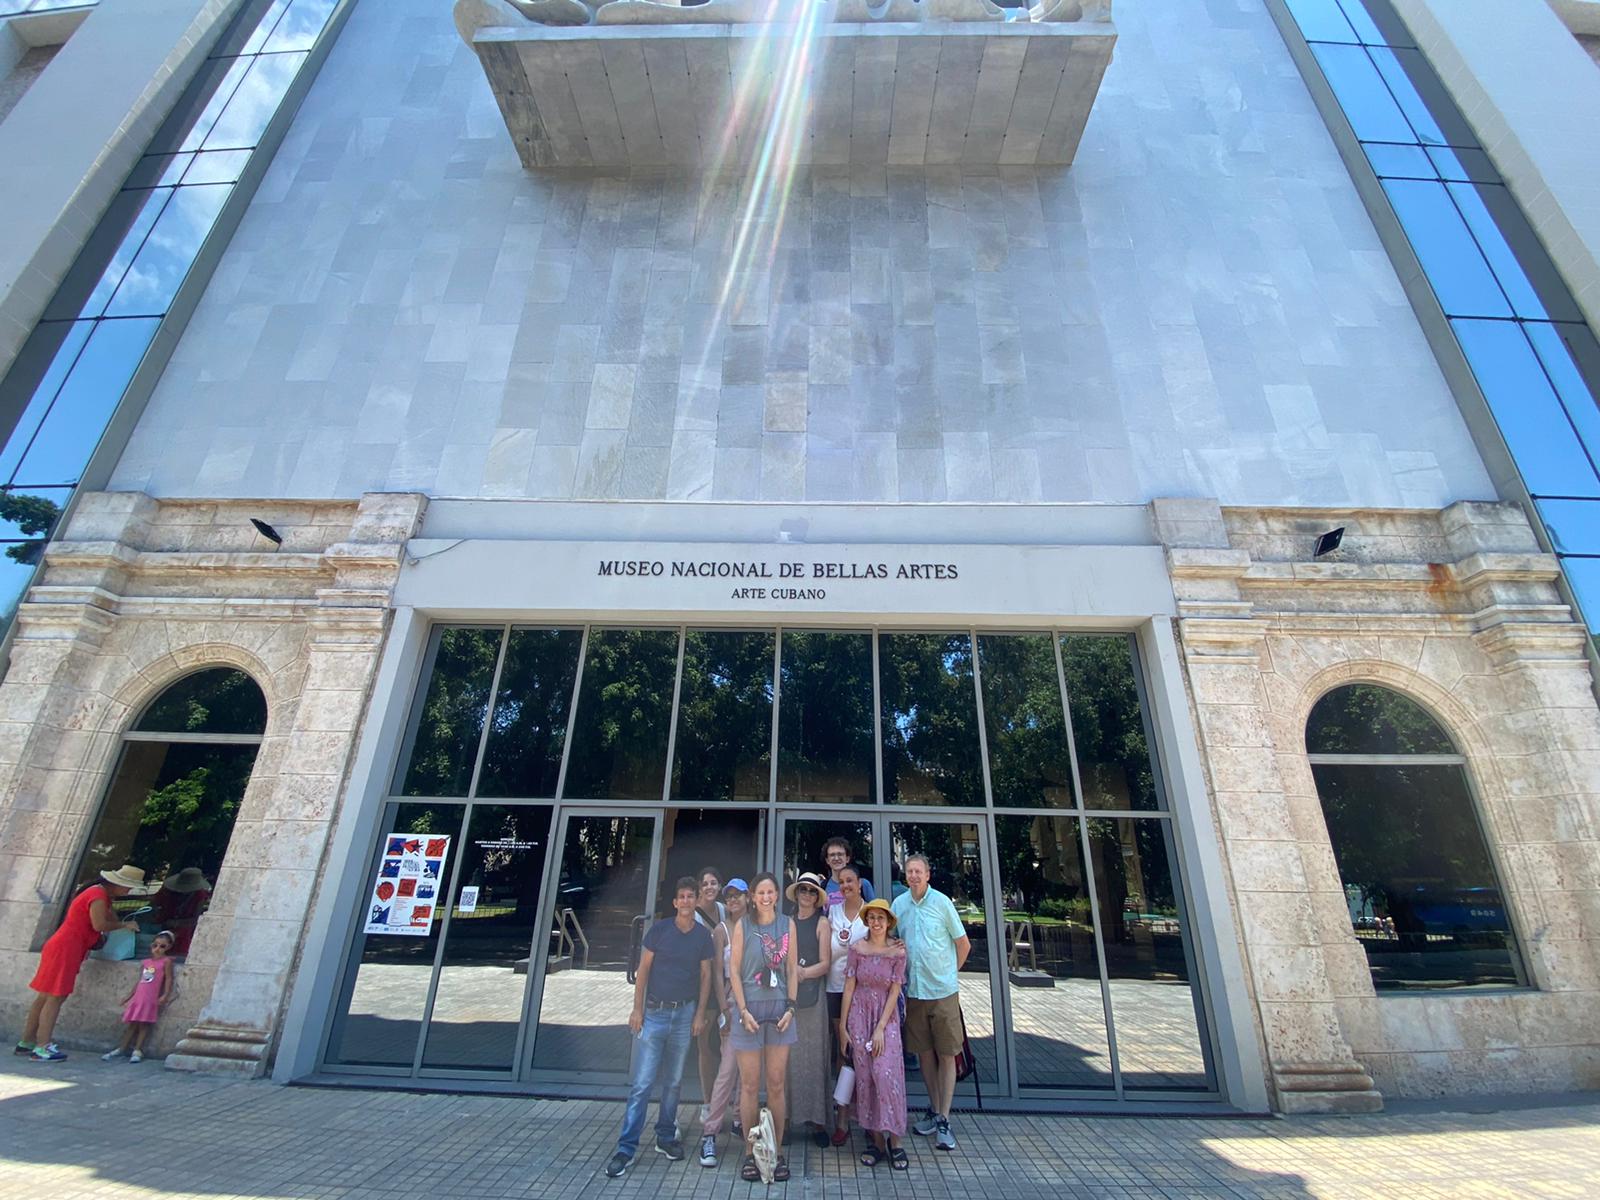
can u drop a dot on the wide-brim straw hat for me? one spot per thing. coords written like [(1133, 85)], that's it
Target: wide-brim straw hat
[(806, 879), (190, 879), (127, 876), (878, 906)]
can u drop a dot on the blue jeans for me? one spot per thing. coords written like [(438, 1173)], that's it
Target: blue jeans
[(658, 1052)]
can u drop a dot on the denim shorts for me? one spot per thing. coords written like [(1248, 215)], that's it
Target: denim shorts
[(767, 1034)]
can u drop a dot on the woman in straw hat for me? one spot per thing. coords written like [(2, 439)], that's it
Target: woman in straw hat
[(88, 916), (873, 976), (810, 1089)]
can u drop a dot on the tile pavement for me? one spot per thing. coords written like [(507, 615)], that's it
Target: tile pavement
[(87, 1129)]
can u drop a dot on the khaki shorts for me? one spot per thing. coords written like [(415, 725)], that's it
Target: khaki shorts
[(933, 1025)]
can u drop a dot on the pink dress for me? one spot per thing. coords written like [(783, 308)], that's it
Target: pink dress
[(879, 1101), (146, 1003)]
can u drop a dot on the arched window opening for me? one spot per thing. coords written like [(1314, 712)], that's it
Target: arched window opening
[(175, 795), (1424, 899)]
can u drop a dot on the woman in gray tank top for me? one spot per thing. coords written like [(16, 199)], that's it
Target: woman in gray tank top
[(765, 980)]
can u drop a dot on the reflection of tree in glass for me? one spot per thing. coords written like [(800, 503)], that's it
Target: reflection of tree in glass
[(1107, 725), (1138, 902), (619, 739), (453, 712), (523, 757), (1365, 719), (35, 516), (723, 749), (218, 700), (1028, 762), (825, 726), (930, 719)]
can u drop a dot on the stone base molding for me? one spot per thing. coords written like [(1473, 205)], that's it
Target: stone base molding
[(1460, 610), (136, 593)]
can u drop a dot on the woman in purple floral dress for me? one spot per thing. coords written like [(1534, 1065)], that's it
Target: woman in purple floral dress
[(873, 977)]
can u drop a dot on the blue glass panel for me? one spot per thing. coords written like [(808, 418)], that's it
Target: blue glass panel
[(1449, 255), (1375, 30), (156, 170), (1571, 357), (1573, 525), (1541, 439), (72, 428), (16, 571), (104, 259), (1399, 162), (31, 512), (217, 166), (252, 106), (1584, 576), (1321, 20), (1460, 162), (1433, 115), (1515, 254), (300, 26), (1362, 94), (33, 382), (195, 120), (169, 251), (251, 28)]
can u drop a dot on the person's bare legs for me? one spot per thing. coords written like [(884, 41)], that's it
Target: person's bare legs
[(777, 1093), (42, 1019), (939, 1077), (128, 1031), (841, 1118), (30, 1027), (749, 1088), (141, 1030)]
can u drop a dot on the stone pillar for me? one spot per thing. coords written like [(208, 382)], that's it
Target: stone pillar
[(1275, 865), (279, 845)]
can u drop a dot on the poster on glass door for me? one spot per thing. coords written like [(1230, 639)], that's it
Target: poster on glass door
[(409, 885)]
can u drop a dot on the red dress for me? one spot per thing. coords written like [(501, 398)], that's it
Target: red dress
[(68, 946)]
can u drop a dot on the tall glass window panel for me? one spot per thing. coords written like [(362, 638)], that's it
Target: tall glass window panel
[(930, 720), (1058, 1018), (1573, 525), (1153, 1001), (723, 749), (1449, 254), (602, 910), (477, 1005), (619, 738), (1515, 254), (1571, 357), (955, 858), (1109, 730), (825, 722), (1362, 94), (169, 251), (216, 700), (531, 708), (386, 988), (447, 722), (30, 387), (1029, 764), (1365, 719), (1321, 20), (1433, 115)]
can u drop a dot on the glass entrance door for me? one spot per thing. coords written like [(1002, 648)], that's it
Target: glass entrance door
[(604, 889), (958, 858)]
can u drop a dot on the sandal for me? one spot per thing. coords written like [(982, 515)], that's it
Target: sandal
[(749, 1172), (898, 1160), (871, 1156), (841, 1136), (780, 1172)]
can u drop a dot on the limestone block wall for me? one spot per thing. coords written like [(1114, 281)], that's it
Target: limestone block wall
[(1458, 610), (135, 594)]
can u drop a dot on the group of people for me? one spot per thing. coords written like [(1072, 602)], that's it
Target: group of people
[(787, 999), (176, 904)]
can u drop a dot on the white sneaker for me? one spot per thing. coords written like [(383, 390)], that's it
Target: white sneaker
[(136, 1057), (112, 1055)]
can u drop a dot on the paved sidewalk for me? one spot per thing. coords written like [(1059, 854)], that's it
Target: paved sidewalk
[(88, 1129)]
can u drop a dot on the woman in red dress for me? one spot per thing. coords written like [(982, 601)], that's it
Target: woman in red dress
[(88, 916)]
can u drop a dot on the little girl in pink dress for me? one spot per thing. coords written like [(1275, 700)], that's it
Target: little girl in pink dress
[(141, 1007)]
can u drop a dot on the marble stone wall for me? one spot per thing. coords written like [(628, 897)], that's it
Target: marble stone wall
[(1198, 306), (1458, 610), (134, 595)]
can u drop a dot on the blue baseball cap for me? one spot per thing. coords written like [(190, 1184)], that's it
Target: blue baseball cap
[(735, 885)]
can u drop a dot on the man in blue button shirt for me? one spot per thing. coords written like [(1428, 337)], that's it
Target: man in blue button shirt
[(669, 1003), (936, 948)]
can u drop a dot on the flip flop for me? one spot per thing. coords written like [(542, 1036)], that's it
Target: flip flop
[(780, 1172)]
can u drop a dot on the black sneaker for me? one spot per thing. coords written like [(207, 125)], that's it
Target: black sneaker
[(618, 1166), (23, 1050), (673, 1149)]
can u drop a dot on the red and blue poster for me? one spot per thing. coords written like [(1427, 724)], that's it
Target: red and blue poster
[(409, 876)]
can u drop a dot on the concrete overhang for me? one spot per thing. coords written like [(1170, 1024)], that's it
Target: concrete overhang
[(733, 85)]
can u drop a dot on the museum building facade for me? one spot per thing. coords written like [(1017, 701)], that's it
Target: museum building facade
[(572, 454)]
